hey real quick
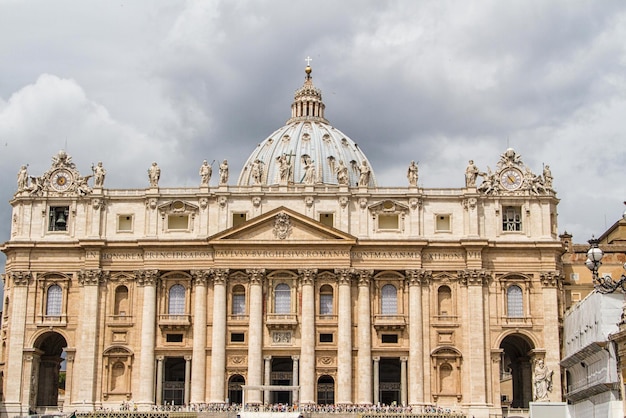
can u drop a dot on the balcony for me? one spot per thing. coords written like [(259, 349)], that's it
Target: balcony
[(174, 321), (52, 320), (389, 322), (326, 319), (120, 321), (238, 319), (516, 322), (281, 321)]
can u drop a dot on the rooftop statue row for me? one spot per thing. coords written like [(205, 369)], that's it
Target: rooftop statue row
[(511, 175)]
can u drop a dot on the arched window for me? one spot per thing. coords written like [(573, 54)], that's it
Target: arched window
[(121, 301), (54, 299), (282, 303), (514, 302), (326, 300), (239, 300), (444, 301), (176, 304), (325, 390), (389, 300)]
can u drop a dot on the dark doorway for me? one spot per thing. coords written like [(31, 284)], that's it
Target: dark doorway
[(49, 371), (516, 371), (235, 392), (325, 390), (389, 381), (174, 381), (282, 374)]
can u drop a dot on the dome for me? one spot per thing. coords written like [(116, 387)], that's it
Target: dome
[(307, 150)]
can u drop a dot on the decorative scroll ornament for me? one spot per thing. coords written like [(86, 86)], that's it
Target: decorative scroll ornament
[(282, 226)]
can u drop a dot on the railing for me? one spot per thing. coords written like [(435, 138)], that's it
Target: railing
[(52, 320), (389, 321), (175, 320), (523, 321)]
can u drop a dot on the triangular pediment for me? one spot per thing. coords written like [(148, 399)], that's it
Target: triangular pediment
[(282, 225)]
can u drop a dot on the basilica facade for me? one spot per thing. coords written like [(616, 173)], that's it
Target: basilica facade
[(304, 275)]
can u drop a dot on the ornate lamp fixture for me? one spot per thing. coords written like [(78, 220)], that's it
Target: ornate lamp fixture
[(603, 284)]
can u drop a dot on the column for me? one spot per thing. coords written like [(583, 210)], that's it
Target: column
[(159, 380), (255, 331), (403, 388), (267, 367), (344, 339), (364, 356), (549, 287), (147, 280), (477, 358), (218, 349), (187, 379), (296, 393), (15, 344), (307, 349), (496, 357), (70, 354), (87, 343), (198, 373), (416, 337), (376, 380)]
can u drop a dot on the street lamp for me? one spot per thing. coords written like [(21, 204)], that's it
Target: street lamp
[(603, 284)]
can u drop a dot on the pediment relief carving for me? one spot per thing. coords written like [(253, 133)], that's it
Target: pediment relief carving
[(389, 207), (177, 207)]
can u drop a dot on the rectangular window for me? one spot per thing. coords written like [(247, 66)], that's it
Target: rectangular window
[(326, 338), (327, 219), (124, 223), (442, 223), (178, 222), (58, 217), (389, 338), (388, 222), (238, 219), (512, 219), (326, 304), (237, 337), (239, 304), (174, 338), (573, 277)]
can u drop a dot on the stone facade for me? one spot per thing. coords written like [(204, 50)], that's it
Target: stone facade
[(354, 293)]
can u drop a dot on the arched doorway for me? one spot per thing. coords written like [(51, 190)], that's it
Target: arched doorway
[(49, 370), (174, 381), (516, 371), (282, 374), (325, 390), (235, 392)]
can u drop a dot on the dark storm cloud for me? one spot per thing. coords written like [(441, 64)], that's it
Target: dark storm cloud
[(437, 82)]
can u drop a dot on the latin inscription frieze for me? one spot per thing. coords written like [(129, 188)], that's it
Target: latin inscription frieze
[(149, 255)]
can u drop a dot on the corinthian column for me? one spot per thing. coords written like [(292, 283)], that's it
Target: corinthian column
[(86, 356), (344, 339), (364, 359), (218, 349), (416, 336), (307, 349), (19, 281), (198, 371), (255, 330), (147, 280)]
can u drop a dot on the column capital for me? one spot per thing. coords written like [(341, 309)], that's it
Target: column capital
[(147, 277), (200, 277), (364, 277), (474, 277), (256, 275), (267, 358), (160, 358), (551, 278), (20, 278), (187, 358), (344, 275), (418, 277), (219, 275), (92, 277), (295, 358), (376, 359), (307, 275)]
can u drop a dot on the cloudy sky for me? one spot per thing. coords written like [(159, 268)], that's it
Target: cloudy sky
[(439, 82)]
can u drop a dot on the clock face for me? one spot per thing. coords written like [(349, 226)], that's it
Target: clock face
[(61, 180), (511, 179)]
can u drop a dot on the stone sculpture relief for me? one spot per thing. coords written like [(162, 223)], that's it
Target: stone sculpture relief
[(364, 174), (205, 173), (98, 174), (154, 174), (224, 172), (542, 382), (412, 174), (342, 174)]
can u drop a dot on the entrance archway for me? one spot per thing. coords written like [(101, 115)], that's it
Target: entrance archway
[(174, 381), (235, 392), (516, 370), (49, 370), (325, 390), (281, 375)]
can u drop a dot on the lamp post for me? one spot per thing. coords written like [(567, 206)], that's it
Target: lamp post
[(603, 284)]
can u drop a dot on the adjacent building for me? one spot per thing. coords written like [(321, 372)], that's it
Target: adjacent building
[(304, 273)]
